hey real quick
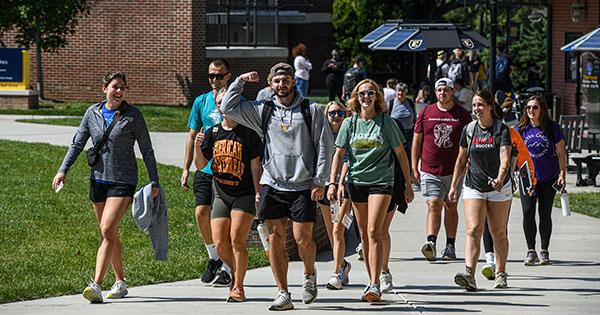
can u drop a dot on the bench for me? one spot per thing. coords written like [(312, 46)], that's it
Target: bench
[(593, 167)]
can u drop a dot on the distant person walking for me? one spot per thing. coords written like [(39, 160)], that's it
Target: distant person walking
[(546, 144), (296, 161), (352, 76), (114, 174), (458, 67), (402, 109), (333, 68), (504, 67), (436, 145), (303, 67)]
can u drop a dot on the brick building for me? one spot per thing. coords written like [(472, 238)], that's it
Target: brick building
[(164, 45), (566, 28)]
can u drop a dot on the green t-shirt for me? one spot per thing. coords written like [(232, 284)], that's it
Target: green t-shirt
[(370, 146)]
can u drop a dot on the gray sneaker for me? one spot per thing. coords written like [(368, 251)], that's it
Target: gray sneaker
[(465, 280), (544, 257), (386, 282), (428, 250), (93, 293), (449, 253), (345, 272), (501, 280), (310, 288), (118, 290), (282, 302), (531, 258)]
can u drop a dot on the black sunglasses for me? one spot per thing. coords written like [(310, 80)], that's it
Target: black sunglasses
[(338, 113), (218, 76)]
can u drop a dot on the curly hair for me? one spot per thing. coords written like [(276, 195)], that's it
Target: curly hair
[(354, 105), (111, 76), (299, 50)]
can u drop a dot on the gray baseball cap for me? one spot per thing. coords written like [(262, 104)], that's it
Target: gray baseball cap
[(282, 68)]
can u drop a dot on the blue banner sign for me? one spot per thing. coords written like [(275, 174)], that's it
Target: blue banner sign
[(11, 64)]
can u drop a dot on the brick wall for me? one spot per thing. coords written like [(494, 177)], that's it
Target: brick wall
[(150, 41), (561, 24)]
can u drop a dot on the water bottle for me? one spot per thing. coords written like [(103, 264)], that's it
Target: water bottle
[(263, 233), (335, 209), (564, 204)]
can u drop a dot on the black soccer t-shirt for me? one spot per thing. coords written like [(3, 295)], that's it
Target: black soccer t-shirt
[(484, 156), (232, 151)]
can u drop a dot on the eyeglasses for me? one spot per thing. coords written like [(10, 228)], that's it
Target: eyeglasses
[(532, 107), (218, 76), (368, 93), (338, 113)]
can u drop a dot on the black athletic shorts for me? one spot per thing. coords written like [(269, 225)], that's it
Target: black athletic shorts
[(295, 205), (203, 188), (360, 193), (326, 201), (100, 191)]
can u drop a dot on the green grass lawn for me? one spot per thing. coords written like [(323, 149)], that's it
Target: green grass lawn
[(48, 240), (584, 203)]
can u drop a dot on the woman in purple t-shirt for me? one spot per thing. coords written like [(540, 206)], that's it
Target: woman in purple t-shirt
[(546, 144)]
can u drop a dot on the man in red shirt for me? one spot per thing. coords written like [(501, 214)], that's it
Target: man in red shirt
[(436, 144)]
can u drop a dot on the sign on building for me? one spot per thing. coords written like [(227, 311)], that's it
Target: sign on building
[(14, 69)]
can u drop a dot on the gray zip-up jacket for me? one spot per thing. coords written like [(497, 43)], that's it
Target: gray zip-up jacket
[(289, 153), (117, 159)]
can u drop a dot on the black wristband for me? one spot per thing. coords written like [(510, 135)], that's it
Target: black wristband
[(334, 184)]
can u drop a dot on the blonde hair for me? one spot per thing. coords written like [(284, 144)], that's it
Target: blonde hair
[(326, 110), (354, 105)]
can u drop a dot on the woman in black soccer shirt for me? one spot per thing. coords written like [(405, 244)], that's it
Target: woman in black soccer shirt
[(236, 168)]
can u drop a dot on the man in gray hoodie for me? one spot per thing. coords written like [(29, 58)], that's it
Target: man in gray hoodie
[(296, 160)]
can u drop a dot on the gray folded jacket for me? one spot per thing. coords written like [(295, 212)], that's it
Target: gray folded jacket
[(150, 215)]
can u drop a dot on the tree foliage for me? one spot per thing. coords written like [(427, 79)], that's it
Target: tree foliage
[(51, 20)]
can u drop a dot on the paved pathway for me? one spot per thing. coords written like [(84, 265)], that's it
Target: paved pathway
[(570, 285)]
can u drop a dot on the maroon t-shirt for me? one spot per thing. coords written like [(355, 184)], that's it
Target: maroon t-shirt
[(441, 135)]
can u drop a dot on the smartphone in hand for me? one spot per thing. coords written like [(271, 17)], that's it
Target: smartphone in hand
[(558, 187)]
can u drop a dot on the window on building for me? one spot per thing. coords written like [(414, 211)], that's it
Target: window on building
[(571, 59), (242, 23)]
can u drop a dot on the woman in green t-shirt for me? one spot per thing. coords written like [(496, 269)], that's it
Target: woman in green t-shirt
[(370, 136)]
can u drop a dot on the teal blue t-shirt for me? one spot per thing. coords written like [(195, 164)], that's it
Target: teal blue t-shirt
[(370, 146), (205, 114)]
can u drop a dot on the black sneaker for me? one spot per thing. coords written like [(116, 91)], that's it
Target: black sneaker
[(223, 279), (211, 271)]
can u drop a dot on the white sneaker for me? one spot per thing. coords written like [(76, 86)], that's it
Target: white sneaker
[(385, 278), (93, 293), (310, 288), (118, 290), (334, 282), (282, 302)]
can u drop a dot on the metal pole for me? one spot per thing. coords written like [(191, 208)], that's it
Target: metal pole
[(228, 36), (508, 7), (578, 90), (494, 27), (254, 27), (276, 22), (248, 22)]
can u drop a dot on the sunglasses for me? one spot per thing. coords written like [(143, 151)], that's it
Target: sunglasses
[(218, 76), (338, 113), (368, 93), (532, 107)]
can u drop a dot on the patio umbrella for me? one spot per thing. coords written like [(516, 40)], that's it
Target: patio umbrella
[(422, 37), (587, 42)]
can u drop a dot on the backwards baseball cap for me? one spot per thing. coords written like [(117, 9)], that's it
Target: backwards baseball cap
[(444, 82), (282, 68)]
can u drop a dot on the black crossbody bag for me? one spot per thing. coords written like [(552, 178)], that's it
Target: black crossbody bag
[(93, 153)]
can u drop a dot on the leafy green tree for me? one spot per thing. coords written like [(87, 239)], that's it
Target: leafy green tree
[(45, 24)]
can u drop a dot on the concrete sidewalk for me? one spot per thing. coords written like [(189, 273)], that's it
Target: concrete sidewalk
[(570, 285)]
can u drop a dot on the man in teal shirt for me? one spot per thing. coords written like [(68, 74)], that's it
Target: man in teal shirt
[(204, 115)]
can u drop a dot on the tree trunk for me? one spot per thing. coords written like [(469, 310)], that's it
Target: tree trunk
[(38, 60)]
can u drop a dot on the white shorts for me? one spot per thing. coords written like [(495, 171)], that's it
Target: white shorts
[(502, 195)]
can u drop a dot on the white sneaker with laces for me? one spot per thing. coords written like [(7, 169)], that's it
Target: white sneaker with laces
[(334, 282), (93, 293), (385, 278), (282, 302), (310, 288), (118, 290)]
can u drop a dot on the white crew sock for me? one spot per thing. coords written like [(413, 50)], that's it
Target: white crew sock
[(226, 268), (489, 258), (212, 251)]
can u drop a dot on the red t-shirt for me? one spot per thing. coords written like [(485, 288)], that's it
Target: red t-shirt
[(441, 135)]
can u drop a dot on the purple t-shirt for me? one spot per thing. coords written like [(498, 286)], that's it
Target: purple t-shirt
[(543, 153)]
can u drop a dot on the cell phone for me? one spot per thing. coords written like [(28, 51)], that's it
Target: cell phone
[(558, 187)]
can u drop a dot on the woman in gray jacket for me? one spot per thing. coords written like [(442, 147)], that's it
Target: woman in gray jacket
[(113, 176)]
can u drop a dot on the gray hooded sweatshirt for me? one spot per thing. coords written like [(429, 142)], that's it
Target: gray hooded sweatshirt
[(289, 154)]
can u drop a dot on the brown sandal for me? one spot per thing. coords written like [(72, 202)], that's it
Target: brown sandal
[(236, 295)]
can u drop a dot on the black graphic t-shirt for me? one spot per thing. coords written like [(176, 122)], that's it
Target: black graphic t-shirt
[(232, 151), (484, 158)]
